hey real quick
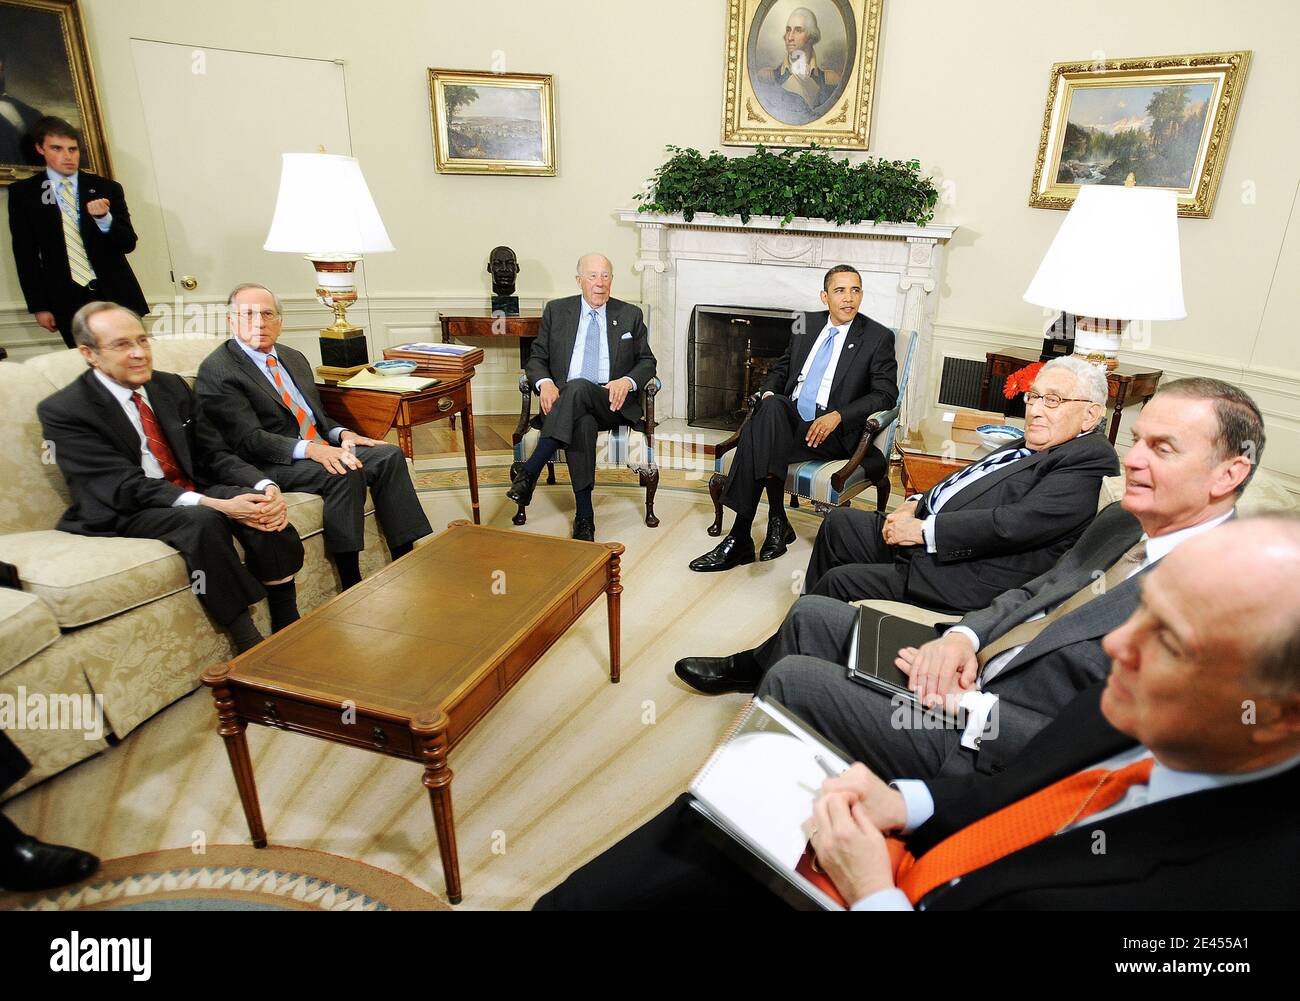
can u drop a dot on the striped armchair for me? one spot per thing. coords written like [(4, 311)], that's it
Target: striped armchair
[(625, 446), (828, 484)]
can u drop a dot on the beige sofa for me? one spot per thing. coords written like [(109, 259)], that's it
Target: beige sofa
[(1263, 494), (105, 617)]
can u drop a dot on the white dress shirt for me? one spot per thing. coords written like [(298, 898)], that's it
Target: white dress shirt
[(978, 705), (259, 359), (1164, 783), (148, 461), (580, 347), (104, 222), (837, 348)]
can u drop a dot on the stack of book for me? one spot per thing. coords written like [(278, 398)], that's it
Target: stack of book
[(445, 361)]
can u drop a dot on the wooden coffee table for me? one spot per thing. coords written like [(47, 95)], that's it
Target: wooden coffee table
[(407, 662)]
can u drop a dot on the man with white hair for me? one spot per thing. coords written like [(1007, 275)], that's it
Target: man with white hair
[(588, 365), (797, 88)]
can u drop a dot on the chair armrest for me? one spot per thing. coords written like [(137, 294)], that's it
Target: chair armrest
[(876, 423), (525, 413), (648, 393)]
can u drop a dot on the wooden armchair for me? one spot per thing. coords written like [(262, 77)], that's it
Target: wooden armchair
[(829, 483), (625, 446)]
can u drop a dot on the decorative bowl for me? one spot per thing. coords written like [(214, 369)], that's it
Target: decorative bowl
[(997, 435), (394, 368)]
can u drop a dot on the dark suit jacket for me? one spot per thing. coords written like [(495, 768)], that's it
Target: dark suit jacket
[(243, 403), (629, 357), (865, 380), (1224, 849), (98, 451), (36, 225), (1010, 525)]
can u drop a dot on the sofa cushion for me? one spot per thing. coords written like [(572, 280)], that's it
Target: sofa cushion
[(33, 493), (27, 626)]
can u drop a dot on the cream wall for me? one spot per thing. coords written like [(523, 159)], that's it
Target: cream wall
[(961, 87)]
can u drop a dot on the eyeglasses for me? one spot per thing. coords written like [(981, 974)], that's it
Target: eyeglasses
[(267, 315), (121, 347), (1050, 400)]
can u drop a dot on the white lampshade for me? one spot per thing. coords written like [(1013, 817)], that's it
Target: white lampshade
[(1115, 256), (324, 209)]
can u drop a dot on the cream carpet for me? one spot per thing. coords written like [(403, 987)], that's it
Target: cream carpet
[(564, 766)]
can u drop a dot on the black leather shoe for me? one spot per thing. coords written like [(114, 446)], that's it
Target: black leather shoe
[(584, 529), (780, 533), (521, 485), (716, 675), (33, 865), (730, 552)]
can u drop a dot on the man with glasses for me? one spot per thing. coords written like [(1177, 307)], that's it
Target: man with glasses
[(992, 525), (263, 397), (589, 363), (142, 459)]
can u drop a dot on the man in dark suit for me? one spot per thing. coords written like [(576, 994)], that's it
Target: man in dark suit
[(25, 862), (143, 460), (71, 233), (1184, 765), (838, 369), (1005, 671), (17, 119), (589, 363), (990, 526), (263, 397)]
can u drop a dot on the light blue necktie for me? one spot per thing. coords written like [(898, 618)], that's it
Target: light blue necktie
[(591, 352), (954, 483), (816, 373)]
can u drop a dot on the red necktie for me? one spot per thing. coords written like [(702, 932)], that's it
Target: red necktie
[(306, 426), (153, 434), (1018, 825)]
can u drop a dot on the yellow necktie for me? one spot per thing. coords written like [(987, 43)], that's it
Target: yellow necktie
[(78, 261)]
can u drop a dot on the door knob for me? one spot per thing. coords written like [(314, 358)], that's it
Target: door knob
[(189, 283)]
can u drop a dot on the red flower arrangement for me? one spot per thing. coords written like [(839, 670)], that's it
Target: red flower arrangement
[(1021, 379)]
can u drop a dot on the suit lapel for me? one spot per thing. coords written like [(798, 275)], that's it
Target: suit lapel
[(1095, 618), (989, 480), (118, 425), (849, 353), (167, 410), (250, 371), (613, 329), (300, 372), (801, 345)]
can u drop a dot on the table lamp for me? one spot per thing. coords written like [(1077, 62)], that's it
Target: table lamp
[(1114, 259), (324, 211)]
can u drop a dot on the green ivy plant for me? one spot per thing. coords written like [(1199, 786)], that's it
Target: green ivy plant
[(788, 183)]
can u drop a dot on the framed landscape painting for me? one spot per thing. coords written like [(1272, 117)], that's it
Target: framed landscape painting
[(45, 70), (1166, 121), (800, 72), (492, 123)]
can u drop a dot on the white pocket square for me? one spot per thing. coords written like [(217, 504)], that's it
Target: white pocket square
[(626, 337)]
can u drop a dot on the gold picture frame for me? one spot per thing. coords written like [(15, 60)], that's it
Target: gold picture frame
[(784, 89), (492, 123), (1166, 120), (46, 71)]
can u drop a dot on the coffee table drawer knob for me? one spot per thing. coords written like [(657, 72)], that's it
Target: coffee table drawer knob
[(446, 403), (269, 708), (378, 736)]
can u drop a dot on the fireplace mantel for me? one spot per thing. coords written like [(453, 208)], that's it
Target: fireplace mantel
[(718, 260)]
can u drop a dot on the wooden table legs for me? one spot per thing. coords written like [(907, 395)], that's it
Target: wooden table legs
[(471, 460), (431, 736), (613, 589), (232, 730)]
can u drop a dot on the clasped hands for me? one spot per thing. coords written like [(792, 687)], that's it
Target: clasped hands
[(267, 512), (617, 389), (338, 459), (903, 528)]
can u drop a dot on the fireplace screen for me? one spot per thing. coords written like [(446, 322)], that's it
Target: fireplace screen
[(730, 351)]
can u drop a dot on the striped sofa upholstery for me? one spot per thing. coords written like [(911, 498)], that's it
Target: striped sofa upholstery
[(622, 448), (831, 484)]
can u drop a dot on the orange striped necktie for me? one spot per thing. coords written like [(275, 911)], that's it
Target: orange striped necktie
[(306, 426), (1018, 825)]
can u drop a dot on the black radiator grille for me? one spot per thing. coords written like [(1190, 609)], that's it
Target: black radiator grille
[(961, 383)]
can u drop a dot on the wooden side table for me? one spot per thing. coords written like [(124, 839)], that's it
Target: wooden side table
[(487, 323), (373, 413), (1125, 384)]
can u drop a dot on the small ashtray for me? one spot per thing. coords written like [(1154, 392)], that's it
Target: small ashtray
[(997, 435), (394, 367)]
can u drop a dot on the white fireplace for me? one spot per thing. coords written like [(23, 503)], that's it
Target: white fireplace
[(715, 260)]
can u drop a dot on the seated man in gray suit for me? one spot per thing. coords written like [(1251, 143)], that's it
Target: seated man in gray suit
[(263, 397), (1004, 672), (590, 360)]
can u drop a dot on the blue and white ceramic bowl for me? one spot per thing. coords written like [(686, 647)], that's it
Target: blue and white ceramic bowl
[(997, 435), (395, 367)]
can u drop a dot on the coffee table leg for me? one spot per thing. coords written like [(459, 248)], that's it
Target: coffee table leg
[(232, 730), (613, 589), (431, 732), (471, 460)]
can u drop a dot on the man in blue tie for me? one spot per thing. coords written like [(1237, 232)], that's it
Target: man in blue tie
[(589, 362), (838, 369)]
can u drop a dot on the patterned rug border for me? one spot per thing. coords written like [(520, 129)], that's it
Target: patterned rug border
[(392, 891)]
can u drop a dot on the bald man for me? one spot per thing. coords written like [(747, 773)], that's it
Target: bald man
[(590, 360)]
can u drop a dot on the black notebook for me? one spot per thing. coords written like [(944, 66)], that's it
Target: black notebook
[(877, 638)]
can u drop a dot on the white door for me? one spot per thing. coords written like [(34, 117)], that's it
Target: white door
[(218, 120)]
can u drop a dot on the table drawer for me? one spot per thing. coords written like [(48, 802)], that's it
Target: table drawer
[(365, 731), (443, 405)]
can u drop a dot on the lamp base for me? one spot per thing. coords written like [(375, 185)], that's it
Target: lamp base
[(1097, 340), (342, 352)]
